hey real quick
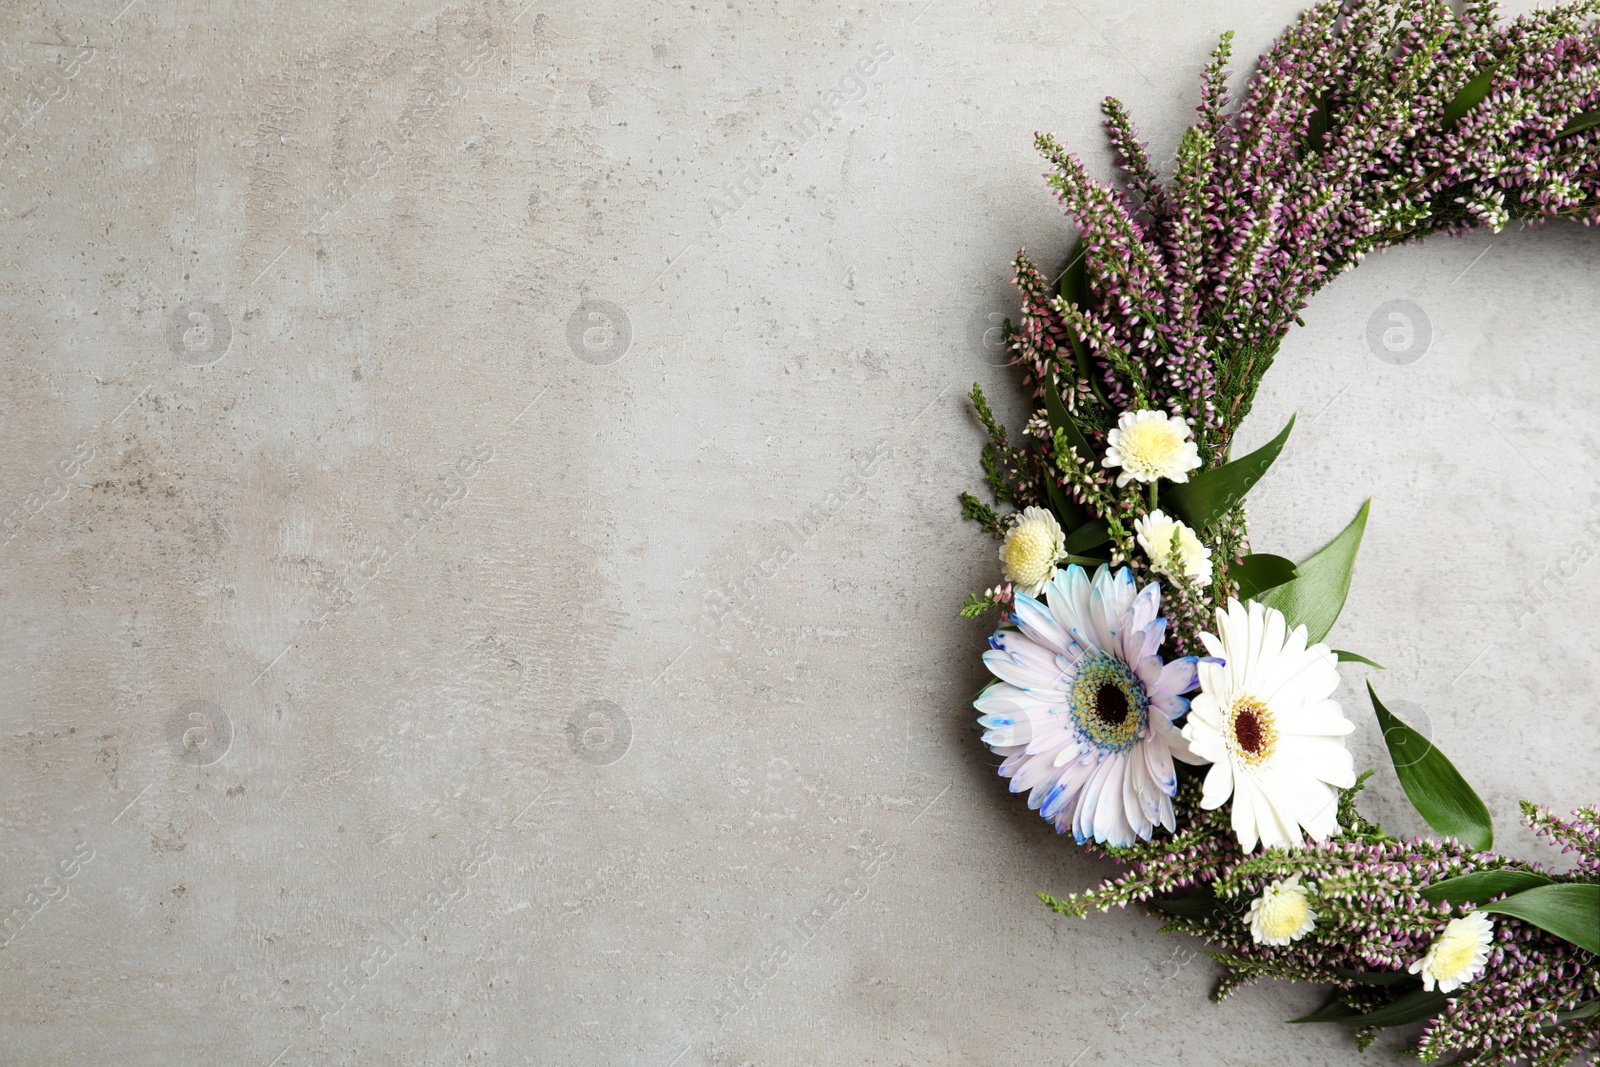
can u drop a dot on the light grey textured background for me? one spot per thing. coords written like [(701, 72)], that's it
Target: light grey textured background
[(535, 444)]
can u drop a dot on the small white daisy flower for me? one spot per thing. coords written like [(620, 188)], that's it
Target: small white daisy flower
[(1190, 559), (1458, 955), (1032, 548), (1281, 913), (1151, 444)]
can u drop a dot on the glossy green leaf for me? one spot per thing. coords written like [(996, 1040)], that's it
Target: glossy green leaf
[(1074, 289), (1587, 1010), (1317, 596), (1091, 534), (1413, 1007), (1075, 279), (1335, 1011), (1435, 788), (1201, 905), (1321, 121), (1260, 571), (1350, 657), (1378, 977), (1208, 495), (1479, 886), (1470, 96), (1064, 506), (1073, 514), (1586, 121), (1061, 419), (1570, 910)]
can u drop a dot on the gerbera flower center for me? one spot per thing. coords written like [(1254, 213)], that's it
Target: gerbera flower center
[(1110, 706), (1108, 703), (1251, 732)]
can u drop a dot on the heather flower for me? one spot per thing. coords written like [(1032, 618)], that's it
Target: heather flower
[(1032, 548), (1173, 548), (1151, 444), (1083, 712), (1458, 955), (1265, 721), (1281, 914)]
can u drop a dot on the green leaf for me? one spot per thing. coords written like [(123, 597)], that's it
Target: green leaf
[(1208, 495), (1350, 657), (1435, 788), (1414, 1006), (1072, 514), (1317, 596), (1075, 279), (1260, 571), (1418, 1004), (1201, 905), (1470, 96), (1587, 1010), (1064, 506), (1586, 121), (1335, 1011), (1061, 419), (1479, 886), (1074, 288), (1091, 534), (1378, 977), (1570, 910), (1321, 121)]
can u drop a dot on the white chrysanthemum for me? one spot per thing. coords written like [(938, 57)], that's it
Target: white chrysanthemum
[(1281, 914), (1151, 444), (1033, 547), (1458, 955), (1190, 559), (1265, 721), (1083, 712)]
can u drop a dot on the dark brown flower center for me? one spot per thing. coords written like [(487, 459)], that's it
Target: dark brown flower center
[(1111, 705), (1247, 728), (1254, 734)]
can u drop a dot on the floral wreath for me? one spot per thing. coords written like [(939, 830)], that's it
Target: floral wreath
[(1163, 692)]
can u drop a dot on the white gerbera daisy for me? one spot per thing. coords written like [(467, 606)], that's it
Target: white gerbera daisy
[(1458, 955), (1084, 707), (1151, 444), (1032, 548), (1281, 914), (1173, 548), (1264, 719)]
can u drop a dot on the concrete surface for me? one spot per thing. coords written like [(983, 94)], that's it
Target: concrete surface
[(482, 533)]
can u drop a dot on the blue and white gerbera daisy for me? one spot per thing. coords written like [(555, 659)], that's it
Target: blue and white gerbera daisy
[(1084, 707)]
